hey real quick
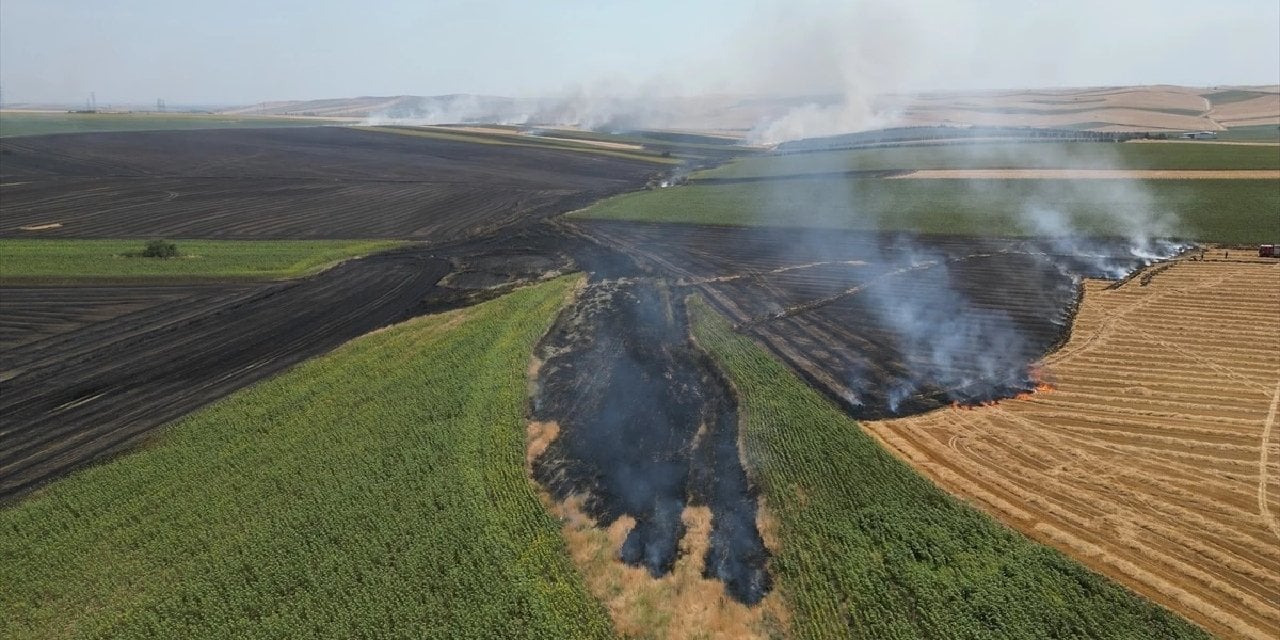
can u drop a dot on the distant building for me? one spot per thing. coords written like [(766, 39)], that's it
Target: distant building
[(1200, 135)]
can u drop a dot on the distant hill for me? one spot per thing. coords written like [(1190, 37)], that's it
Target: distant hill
[(384, 106), (1139, 108)]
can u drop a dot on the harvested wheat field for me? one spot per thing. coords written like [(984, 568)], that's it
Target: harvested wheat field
[(1152, 452), (1085, 174)]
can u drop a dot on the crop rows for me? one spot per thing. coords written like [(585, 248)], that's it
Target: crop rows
[(155, 354), (295, 183), (265, 208), (377, 491), (1154, 459), (816, 301), (1208, 210), (870, 549), (1048, 155)]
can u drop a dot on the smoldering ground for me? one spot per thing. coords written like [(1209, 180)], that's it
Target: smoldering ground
[(944, 337), (888, 322), (648, 427)]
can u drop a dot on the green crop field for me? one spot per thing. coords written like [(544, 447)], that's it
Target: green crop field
[(54, 260), (20, 123), (871, 549), (1254, 133), (1026, 155), (1228, 211), (378, 491)]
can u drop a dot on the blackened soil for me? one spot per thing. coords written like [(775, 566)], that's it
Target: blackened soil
[(87, 372), (309, 182), (884, 324), (647, 428)]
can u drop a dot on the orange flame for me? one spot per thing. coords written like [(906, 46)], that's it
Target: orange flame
[(1042, 377)]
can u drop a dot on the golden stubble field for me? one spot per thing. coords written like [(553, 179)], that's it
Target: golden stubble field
[(1155, 456)]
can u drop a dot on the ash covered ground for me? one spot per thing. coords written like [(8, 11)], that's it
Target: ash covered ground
[(647, 427), (883, 324)]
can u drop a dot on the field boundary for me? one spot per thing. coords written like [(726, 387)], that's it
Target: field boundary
[(1086, 174), (1149, 456), (1264, 468)]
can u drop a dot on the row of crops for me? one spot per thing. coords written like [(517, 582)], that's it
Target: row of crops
[(78, 260), (870, 549), (378, 491), (1226, 211)]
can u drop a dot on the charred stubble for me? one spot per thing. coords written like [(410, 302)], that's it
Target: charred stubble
[(648, 428)]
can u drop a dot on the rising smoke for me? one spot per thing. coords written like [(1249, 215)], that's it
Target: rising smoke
[(947, 340)]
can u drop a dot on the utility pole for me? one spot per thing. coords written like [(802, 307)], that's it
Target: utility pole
[(93, 101), (160, 105)]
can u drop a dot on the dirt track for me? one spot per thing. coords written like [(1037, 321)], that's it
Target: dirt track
[(1155, 458)]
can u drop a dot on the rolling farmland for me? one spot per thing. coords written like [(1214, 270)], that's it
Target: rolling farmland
[(1154, 457), (31, 123), (883, 321), (308, 183), (870, 549), (98, 388), (90, 371), (1206, 192), (1043, 155), (1228, 211), (378, 490)]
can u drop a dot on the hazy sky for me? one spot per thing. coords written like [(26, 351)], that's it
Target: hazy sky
[(238, 52)]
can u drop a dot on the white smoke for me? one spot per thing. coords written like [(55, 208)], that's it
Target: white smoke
[(856, 54), (454, 109)]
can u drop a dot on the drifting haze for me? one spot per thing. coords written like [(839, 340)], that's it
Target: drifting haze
[(238, 52)]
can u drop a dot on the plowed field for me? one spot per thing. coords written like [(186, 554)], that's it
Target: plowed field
[(315, 182), (89, 371), (1155, 457)]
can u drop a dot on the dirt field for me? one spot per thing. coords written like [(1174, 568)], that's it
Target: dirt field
[(312, 182), (1154, 458), (1143, 108), (1133, 108), (1263, 109)]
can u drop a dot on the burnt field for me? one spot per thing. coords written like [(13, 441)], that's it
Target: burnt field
[(647, 427), (87, 372), (314, 182), (886, 324)]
